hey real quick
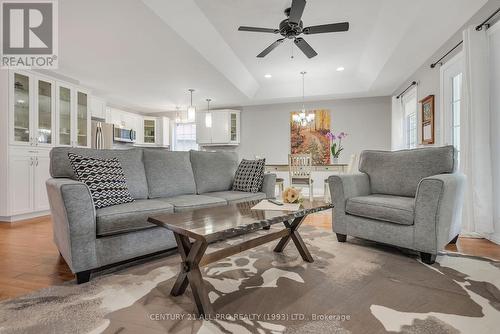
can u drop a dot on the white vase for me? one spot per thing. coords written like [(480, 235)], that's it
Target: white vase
[(335, 161)]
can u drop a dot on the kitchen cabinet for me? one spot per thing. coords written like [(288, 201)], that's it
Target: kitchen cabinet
[(31, 109), (224, 130), (73, 116), (28, 170), (149, 130), (97, 107)]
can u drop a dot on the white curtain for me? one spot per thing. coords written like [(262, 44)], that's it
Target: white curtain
[(397, 137), (475, 159)]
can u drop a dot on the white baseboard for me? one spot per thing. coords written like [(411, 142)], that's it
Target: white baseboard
[(15, 218), (494, 238)]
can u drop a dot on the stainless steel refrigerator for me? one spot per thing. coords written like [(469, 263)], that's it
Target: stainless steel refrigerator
[(102, 135)]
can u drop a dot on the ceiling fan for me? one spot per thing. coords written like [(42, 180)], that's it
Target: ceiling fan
[(292, 27)]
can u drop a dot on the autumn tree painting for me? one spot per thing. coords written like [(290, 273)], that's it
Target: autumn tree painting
[(311, 138)]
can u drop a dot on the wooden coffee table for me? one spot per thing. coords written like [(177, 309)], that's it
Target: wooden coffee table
[(209, 225)]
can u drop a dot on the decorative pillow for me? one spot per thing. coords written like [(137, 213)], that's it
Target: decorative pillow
[(104, 177), (249, 175)]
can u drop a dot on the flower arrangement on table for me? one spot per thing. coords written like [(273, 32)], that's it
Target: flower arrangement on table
[(292, 195), (336, 146)]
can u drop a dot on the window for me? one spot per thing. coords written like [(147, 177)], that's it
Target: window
[(451, 100), (185, 137), (409, 103)]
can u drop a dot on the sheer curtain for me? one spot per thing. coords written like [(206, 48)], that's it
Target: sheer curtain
[(476, 160)]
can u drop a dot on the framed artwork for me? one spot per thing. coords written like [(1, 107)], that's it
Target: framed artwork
[(427, 120), (311, 137)]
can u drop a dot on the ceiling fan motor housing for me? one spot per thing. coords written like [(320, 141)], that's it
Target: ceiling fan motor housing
[(289, 30)]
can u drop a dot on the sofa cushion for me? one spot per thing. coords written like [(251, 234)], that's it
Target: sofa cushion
[(131, 161), (394, 209), (213, 171), (104, 178), (249, 175), (190, 202), (168, 173), (129, 217), (236, 196), (398, 173)]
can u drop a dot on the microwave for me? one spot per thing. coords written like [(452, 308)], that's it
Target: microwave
[(123, 135)]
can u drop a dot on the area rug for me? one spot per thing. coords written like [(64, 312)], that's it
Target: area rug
[(352, 287)]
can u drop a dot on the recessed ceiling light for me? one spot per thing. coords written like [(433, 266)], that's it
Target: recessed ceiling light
[(340, 69), (268, 76)]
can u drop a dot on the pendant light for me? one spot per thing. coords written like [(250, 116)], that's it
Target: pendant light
[(302, 118), (178, 118), (208, 115), (191, 110)]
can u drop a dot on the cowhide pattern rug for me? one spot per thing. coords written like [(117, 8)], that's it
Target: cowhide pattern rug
[(352, 287)]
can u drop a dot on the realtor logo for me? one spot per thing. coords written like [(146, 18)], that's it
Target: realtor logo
[(29, 34)]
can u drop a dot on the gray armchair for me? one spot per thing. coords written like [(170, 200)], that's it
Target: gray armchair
[(410, 198)]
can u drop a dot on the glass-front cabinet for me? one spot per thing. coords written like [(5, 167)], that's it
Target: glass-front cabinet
[(64, 116), (149, 131), (21, 133), (82, 113), (45, 111)]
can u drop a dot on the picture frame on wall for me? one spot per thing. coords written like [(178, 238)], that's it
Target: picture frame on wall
[(427, 120)]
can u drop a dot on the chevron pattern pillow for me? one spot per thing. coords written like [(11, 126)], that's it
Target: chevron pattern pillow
[(249, 175), (104, 177)]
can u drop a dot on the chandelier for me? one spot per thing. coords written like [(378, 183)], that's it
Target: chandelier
[(303, 118)]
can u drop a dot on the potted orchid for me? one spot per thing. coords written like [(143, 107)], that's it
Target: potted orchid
[(336, 144)]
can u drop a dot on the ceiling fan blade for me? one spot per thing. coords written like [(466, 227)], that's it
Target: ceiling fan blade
[(255, 29), (305, 47), (334, 27), (296, 11), (270, 48)]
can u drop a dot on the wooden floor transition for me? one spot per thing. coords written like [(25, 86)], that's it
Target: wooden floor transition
[(29, 260)]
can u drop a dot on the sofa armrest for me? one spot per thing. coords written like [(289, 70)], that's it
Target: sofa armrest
[(343, 187), (74, 223), (438, 211), (269, 185)]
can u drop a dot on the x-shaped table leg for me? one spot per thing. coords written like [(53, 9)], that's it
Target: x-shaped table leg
[(191, 254), (296, 238)]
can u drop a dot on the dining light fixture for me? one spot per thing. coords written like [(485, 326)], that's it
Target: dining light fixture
[(191, 110), (178, 118), (302, 118), (208, 115)]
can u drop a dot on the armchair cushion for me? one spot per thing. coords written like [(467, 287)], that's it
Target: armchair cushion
[(393, 209), (129, 217)]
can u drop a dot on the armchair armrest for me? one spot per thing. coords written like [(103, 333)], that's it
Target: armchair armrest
[(269, 184), (74, 222), (438, 211), (343, 187)]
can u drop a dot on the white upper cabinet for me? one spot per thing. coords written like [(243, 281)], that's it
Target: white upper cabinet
[(223, 130), (97, 107), (31, 110)]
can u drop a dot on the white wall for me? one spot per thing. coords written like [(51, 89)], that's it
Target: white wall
[(265, 129)]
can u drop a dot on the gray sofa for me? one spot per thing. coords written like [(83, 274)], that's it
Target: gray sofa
[(411, 199), (160, 182)]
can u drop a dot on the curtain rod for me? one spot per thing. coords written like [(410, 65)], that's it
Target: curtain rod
[(410, 86), (446, 54), (485, 22), (478, 28)]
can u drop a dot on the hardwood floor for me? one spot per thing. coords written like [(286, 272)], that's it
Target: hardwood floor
[(29, 260)]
